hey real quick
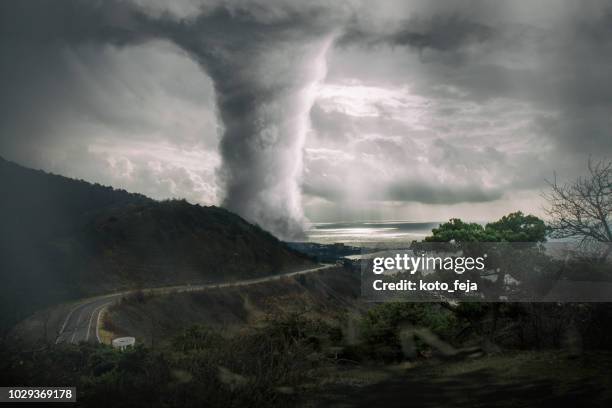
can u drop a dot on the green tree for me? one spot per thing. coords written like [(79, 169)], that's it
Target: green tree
[(514, 227), (517, 227), (459, 231), (510, 244)]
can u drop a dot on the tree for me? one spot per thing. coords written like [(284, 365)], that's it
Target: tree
[(511, 244), (517, 227), (459, 231), (514, 227), (582, 209)]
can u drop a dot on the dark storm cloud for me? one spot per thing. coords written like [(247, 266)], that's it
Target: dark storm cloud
[(262, 58), (582, 70), (459, 177), (440, 32), (259, 68), (409, 190), (554, 58), (69, 21), (436, 193), (39, 43)]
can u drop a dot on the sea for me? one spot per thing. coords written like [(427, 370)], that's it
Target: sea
[(357, 233)]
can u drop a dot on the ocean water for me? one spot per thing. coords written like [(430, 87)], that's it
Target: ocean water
[(356, 233)]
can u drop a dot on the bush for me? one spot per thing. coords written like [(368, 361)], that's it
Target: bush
[(265, 365), (381, 326)]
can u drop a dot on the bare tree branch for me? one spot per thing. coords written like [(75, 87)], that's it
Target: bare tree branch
[(583, 209)]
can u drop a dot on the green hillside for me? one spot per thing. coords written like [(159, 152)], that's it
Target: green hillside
[(63, 239)]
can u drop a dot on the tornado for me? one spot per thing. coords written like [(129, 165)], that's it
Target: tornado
[(265, 59), (266, 118), (265, 73)]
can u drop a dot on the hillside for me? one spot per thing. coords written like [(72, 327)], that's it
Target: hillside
[(63, 239), (325, 294)]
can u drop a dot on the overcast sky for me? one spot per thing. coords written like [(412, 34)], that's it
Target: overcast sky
[(285, 112)]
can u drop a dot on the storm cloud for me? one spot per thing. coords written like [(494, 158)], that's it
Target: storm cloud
[(264, 74), (264, 63), (439, 32), (283, 110)]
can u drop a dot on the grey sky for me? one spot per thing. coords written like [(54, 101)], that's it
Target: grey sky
[(419, 110)]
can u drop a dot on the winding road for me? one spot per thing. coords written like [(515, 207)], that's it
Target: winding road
[(82, 322)]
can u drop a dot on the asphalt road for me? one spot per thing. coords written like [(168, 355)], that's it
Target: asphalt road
[(82, 321)]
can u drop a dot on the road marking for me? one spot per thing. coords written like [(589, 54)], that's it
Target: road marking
[(98, 324), (165, 290), (97, 321), (74, 332), (65, 323)]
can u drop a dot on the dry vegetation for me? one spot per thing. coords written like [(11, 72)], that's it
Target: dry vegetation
[(326, 294)]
